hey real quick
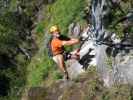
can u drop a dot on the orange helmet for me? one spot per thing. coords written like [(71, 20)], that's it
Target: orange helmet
[(54, 28)]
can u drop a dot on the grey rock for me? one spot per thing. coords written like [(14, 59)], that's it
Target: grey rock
[(74, 29)]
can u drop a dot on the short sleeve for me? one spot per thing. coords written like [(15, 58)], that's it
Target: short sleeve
[(59, 43)]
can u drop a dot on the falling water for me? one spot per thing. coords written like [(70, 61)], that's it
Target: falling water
[(99, 11)]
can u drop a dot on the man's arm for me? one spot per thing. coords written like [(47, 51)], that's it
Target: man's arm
[(71, 42)]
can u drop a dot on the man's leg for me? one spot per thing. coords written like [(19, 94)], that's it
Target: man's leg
[(60, 62)]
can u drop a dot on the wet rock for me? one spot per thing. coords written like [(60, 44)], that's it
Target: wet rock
[(102, 66), (70, 28), (74, 69), (122, 64), (74, 29)]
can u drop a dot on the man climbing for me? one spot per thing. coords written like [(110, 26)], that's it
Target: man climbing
[(57, 44)]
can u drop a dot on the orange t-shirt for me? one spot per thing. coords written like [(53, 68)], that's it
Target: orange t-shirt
[(56, 46)]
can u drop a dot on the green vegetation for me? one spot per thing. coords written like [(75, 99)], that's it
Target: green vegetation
[(64, 12), (109, 62), (15, 49), (117, 14)]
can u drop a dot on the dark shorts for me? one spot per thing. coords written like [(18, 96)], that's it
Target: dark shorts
[(67, 55)]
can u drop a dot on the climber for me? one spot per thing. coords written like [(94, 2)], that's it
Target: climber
[(57, 43)]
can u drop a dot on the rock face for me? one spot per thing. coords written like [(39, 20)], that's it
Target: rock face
[(123, 67), (74, 29), (75, 69), (117, 66), (85, 87), (87, 54)]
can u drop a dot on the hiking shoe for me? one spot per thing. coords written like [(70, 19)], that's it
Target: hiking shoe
[(66, 76)]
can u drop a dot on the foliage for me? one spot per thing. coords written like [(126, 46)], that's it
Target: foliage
[(64, 12), (14, 26), (117, 14)]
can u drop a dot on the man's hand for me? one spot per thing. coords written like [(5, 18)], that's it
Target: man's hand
[(71, 42)]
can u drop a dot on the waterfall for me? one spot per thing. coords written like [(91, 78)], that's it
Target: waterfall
[(100, 17), (99, 10)]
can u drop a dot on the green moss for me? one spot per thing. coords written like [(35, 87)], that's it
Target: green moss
[(64, 12), (122, 92), (56, 75), (40, 28), (109, 62)]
